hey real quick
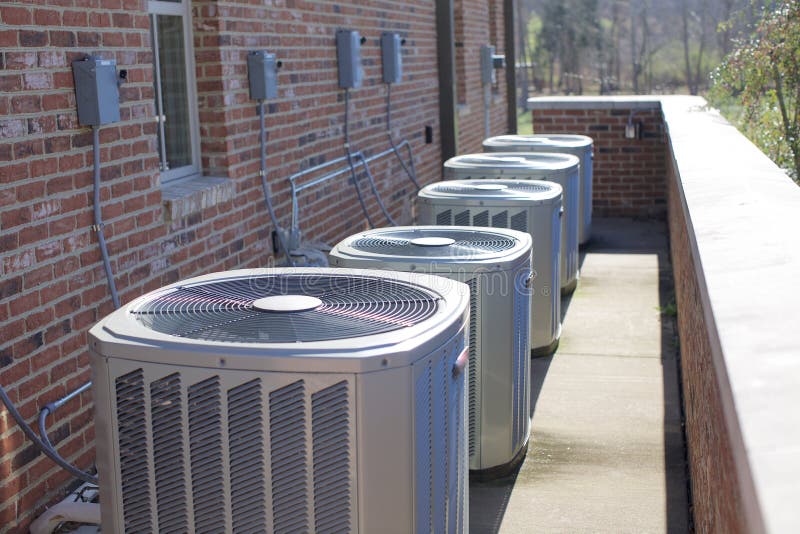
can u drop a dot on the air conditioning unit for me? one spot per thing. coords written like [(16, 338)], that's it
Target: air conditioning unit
[(285, 400), (496, 265), (559, 168), (531, 206), (577, 145)]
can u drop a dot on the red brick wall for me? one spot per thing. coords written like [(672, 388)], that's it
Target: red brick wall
[(716, 501), (628, 173), (52, 285), (478, 23)]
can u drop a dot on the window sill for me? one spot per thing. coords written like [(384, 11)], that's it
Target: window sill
[(190, 195)]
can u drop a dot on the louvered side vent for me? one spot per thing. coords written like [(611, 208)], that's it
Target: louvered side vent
[(132, 429), (481, 219), (246, 449), (519, 221), (458, 460), (441, 458), (167, 430), (521, 355), (444, 218), (288, 462), (500, 220), (474, 370), (462, 218), (330, 412), (205, 453), (423, 422)]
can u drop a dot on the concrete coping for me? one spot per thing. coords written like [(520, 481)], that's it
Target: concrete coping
[(742, 216), (594, 102)]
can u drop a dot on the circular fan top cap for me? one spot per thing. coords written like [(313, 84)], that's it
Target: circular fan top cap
[(287, 303), (432, 241), (490, 187)]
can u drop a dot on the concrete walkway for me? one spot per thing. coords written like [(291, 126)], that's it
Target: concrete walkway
[(607, 448)]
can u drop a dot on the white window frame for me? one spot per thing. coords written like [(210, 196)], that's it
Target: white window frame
[(183, 9)]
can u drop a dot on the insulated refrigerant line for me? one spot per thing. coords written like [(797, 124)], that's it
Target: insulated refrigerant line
[(349, 154), (44, 444), (265, 184), (410, 171), (370, 178)]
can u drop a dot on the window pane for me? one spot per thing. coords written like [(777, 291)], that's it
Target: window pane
[(172, 67)]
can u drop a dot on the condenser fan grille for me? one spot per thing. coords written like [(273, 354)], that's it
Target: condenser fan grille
[(464, 245), (348, 306)]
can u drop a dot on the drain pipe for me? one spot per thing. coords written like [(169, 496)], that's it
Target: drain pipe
[(265, 184)]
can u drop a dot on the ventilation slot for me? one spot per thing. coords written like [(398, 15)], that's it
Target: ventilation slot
[(424, 447), (330, 413), (462, 218), (521, 355), (205, 451), (444, 218), (481, 219), (520, 221), (246, 445), (288, 443), (458, 460), (132, 425), (441, 379), (500, 220), (474, 370), (165, 399)]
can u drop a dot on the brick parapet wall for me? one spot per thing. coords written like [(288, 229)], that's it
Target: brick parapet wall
[(52, 284), (716, 500), (629, 174)]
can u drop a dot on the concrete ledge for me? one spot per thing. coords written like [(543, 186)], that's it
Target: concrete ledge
[(594, 102), (184, 197)]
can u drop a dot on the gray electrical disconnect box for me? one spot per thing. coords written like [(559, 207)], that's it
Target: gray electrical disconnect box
[(262, 69), (96, 90), (489, 63), (391, 57), (487, 67), (348, 52)]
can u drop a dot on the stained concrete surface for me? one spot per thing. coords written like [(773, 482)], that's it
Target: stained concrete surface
[(607, 448)]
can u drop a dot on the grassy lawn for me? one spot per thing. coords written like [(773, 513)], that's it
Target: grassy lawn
[(524, 122)]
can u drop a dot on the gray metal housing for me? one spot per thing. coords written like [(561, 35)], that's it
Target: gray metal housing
[(499, 375), (96, 90), (577, 145), (530, 206), (391, 57), (198, 436), (562, 169), (348, 54), (262, 72)]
